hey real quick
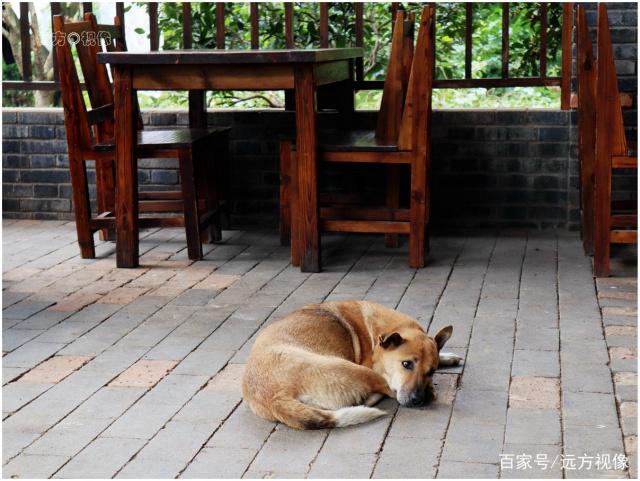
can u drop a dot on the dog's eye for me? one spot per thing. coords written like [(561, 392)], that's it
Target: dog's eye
[(430, 373), (408, 365)]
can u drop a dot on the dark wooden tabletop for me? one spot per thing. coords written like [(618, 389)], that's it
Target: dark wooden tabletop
[(212, 56)]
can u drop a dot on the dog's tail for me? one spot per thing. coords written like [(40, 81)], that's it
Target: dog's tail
[(299, 415)]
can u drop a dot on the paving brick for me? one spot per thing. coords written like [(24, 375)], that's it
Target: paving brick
[(220, 462), (33, 466), (101, 459), (123, 295), (398, 458), (54, 369), (342, 465), (44, 319), (534, 393), (535, 363), (30, 354), (621, 331), (13, 337), (243, 430), (589, 409), (533, 426), (623, 352), (455, 469), (288, 451), (17, 394), (483, 407), (144, 373), (626, 378), (25, 309)]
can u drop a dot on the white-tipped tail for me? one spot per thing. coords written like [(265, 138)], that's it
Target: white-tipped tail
[(355, 415)]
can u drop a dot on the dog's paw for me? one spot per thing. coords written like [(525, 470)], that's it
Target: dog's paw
[(448, 359)]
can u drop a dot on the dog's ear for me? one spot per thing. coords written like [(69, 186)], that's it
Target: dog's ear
[(443, 336), (390, 340)]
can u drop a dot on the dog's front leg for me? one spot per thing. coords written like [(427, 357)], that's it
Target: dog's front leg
[(374, 399), (448, 359)]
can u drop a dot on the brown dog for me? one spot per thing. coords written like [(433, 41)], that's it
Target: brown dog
[(326, 364)]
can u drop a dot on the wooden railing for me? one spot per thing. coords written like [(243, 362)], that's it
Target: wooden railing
[(563, 81)]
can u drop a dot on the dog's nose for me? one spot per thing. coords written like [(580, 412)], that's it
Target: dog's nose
[(416, 399)]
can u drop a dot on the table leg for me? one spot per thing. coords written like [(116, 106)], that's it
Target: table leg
[(197, 109), (306, 156), (126, 170)]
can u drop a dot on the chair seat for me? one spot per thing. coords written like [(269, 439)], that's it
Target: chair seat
[(352, 141), (169, 139)]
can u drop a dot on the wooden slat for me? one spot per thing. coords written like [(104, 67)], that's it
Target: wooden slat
[(362, 213), (255, 23), (624, 162), (324, 25), (154, 35), (55, 10), (624, 220), (25, 41), (143, 222), (567, 28), (505, 40), (368, 157), (187, 33), (288, 25), (87, 7), (365, 226), (220, 25), (120, 14), (359, 7), (544, 26), (623, 237), (468, 39), (162, 194)]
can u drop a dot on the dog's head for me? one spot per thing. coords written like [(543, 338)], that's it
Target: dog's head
[(407, 359)]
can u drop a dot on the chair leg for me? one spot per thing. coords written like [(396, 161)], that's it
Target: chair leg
[(106, 193), (418, 212), (393, 200), (82, 207), (601, 221), (223, 179), (212, 188), (285, 193), (296, 225), (190, 202)]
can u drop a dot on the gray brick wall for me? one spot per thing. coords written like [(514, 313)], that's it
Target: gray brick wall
[(513, 168)]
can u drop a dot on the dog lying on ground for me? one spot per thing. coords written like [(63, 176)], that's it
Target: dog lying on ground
[(326, 365)]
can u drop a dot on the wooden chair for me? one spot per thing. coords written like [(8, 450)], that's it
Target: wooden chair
[(90, 137), (602, 146), (402, 137)]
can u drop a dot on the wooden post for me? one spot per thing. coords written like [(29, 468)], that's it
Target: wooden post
[(126, 170), (255, 19), (154, 35), (197, 103), (468, 39), (324, 25), (220, 25), (544, 21), (25, 41), (306, 158), (359, 39), (567, 28)]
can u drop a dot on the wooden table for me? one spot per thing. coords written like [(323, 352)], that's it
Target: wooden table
[(199, 70)]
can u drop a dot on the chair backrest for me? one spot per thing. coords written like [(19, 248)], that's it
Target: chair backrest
[(586, 73), (608, 107), (397, 78), (89, 38), (416, 116)]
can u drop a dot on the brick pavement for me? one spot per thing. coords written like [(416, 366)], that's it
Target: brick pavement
[(135, 373)]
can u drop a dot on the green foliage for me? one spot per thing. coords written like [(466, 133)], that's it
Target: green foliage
[(524, 46), (15, 98)]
